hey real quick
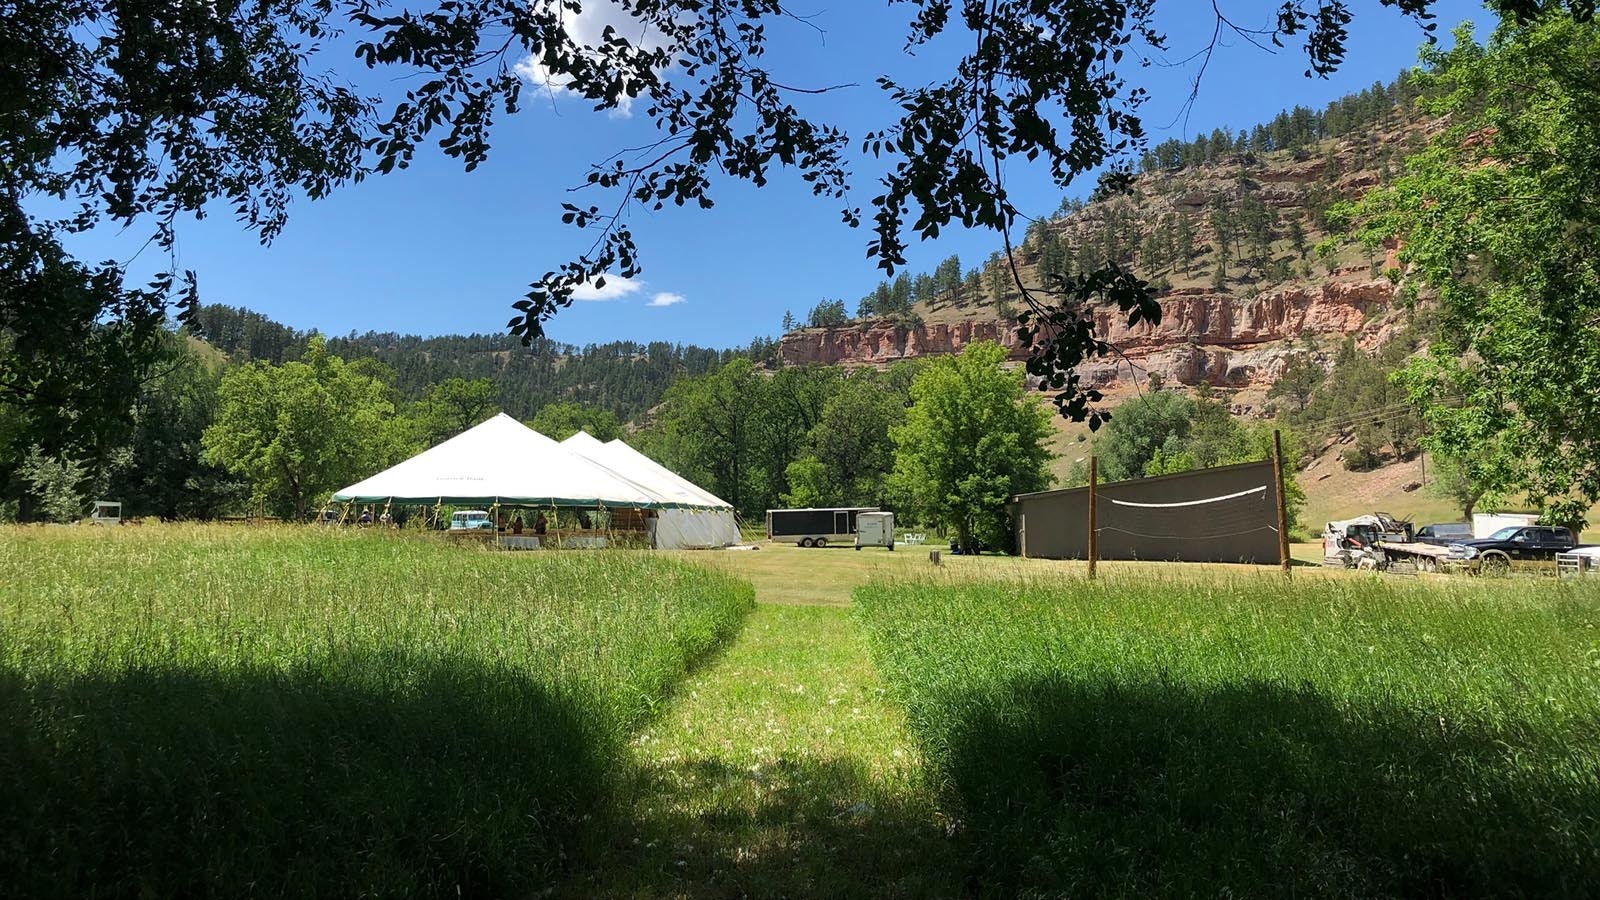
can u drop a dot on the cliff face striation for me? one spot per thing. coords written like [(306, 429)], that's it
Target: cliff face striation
[(1221, 339)]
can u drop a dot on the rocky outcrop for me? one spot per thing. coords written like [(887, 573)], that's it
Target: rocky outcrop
[(1225, 340), (877, 343), (1222, 320)]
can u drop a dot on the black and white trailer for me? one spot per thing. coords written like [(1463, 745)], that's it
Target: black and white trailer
[(814, 527)]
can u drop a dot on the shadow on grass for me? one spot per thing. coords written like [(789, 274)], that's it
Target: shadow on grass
[(368, 775), (795, 828), (1159, 789)]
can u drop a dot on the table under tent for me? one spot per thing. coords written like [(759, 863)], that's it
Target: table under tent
[(539, 493)]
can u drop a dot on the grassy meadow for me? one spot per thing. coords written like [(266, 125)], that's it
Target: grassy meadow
[(1241, 737), (288, 712), (293, 712)]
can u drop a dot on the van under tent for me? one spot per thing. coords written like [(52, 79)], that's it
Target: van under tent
[(503, 462), (700, 521)]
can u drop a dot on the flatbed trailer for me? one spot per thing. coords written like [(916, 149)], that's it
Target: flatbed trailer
[(1426, 557)]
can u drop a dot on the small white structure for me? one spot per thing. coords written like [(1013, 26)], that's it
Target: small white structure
[(1584, 561), (1485, 524), (875, 529), (106, 512)]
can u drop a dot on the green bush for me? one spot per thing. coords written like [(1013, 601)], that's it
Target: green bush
[(1249, 738), (214, 712)]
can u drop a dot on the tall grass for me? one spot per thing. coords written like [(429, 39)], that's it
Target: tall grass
[(215, 712), (1252, 738)]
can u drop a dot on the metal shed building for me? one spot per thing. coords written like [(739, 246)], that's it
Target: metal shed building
[(1225, 514)]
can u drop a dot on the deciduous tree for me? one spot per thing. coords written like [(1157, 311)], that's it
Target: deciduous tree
[(456, 404), (301, 430), (562, 420), (1454, 481), (1498, 215), (972, 438), (712, 430), (163, 471)]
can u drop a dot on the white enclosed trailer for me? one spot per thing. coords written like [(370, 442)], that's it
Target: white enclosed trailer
[(1485, 524), (875, 529)]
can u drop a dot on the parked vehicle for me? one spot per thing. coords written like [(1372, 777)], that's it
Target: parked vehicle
[(1514, 546), (875, 529), (814, 527), (1353, 543), (471, 520), (1444, 534)]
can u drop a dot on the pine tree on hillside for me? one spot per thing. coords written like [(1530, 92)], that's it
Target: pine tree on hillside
[(973, 286), (900, 296), (1183, 239), (1297, 237)]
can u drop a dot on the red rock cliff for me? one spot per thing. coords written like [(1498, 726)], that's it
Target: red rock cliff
[(1202, 336)]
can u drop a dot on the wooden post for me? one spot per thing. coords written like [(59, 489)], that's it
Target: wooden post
[(1283, 507), (1094, 524)]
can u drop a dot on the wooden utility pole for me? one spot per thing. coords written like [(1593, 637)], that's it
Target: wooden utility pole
[(1094, 524), (1283, 507)]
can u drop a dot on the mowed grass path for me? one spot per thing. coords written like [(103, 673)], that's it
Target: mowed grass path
[(781, 769)]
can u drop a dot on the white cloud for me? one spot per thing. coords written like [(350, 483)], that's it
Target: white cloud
[(587, 29), (613, 289), (666, 298)]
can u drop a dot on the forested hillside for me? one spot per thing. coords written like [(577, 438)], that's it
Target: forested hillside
[(624, 378), (1229, 211)]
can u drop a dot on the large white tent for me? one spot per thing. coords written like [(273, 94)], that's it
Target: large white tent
[(696, 520), (505, 462)]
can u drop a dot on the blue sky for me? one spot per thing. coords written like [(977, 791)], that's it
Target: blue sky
[(433, 250)]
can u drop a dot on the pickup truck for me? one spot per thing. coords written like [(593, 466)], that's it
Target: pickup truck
[(1514, 546)]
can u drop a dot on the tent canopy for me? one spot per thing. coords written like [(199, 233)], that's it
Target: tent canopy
[(631, 457), (629, 463), (504, 461)]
